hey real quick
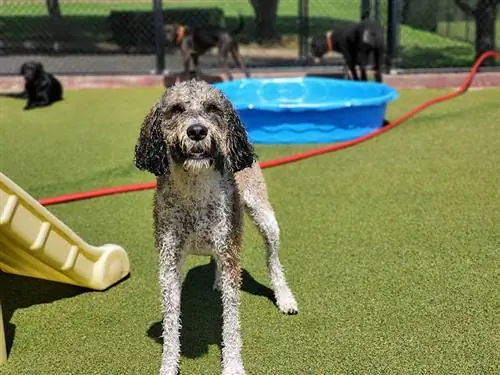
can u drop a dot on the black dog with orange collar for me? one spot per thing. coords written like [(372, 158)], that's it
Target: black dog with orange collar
[(356, 42), (196, 41)]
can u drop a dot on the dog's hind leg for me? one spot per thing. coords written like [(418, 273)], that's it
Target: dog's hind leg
[(362, 65), (44, 99), (223, 56), (363, 57), (378, 56), (238, 59)]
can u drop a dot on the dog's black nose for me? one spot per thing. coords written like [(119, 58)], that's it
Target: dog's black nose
[(197, 132)]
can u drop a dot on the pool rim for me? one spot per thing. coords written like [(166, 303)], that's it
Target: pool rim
[(389, 94)]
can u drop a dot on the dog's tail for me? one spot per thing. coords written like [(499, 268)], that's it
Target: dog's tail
[(240, 27)]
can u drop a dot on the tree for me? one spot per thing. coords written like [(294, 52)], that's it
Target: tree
[(485, 18), (53, 8), (266, 14), (55, 14)]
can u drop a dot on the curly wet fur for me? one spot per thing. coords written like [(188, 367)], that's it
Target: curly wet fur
[(194, 142)]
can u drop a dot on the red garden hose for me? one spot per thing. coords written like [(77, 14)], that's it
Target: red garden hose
[(295, 157)]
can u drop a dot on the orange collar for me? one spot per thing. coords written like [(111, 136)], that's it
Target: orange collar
[(180, 34), (329, 40)]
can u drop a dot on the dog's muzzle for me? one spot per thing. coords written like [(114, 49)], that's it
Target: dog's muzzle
[(198, 149)]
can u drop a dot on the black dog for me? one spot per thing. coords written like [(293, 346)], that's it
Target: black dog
[(41, 88), (355, 42), (196, 41)]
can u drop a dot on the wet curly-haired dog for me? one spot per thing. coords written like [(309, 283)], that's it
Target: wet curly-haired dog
[(207, 173)]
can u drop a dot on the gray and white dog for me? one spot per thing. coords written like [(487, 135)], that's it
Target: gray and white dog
[(207, 174)]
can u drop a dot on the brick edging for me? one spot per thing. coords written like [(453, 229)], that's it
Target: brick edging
[(398, 81)]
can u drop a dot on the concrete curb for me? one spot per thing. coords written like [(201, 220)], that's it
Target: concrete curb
[(398, 81)]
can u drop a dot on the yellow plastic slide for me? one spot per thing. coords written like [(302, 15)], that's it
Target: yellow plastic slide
[(34, 242)]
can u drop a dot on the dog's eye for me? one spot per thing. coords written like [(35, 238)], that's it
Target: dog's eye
[(176, 109), (212, 108)]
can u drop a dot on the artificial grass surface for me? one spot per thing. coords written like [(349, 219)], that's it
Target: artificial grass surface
[(391, 248)]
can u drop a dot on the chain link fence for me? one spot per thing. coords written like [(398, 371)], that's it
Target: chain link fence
[(120, 37)]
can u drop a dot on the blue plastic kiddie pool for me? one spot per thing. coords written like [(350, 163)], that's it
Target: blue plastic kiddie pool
[(308, 109)]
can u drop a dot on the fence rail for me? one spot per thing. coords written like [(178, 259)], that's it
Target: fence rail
[(120, 36)]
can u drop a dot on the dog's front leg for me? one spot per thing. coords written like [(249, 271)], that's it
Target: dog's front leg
[(223, 56), (31, 97), (350, 61), (378, 57), (238, 59), (170, 263), (228, 263)]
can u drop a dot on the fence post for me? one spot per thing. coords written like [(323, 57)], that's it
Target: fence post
[(159, 36), (392, 35), (377, 10), (303, 30), (365, 9)]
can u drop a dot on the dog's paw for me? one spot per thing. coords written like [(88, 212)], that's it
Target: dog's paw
[(286, 303), (170, 371), (233, 369), (235, 372), (27, 108)]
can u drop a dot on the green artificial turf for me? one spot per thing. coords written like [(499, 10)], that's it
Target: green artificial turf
[(391, 248)]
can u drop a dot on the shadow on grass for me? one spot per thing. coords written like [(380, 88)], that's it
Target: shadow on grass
[(201, 310), (14, 95), (17, 292)]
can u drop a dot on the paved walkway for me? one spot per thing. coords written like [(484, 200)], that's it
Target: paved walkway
[(399, 81)]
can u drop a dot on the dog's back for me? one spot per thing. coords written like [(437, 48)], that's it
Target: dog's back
[(207, 37), (370, 33), (55, 88)]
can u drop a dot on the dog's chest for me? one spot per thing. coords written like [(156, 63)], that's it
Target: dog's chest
[(207, 224), (208, 212)]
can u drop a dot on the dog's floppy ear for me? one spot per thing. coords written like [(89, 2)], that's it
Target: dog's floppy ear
[(151, 151), (22, 71), (241, 154)]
